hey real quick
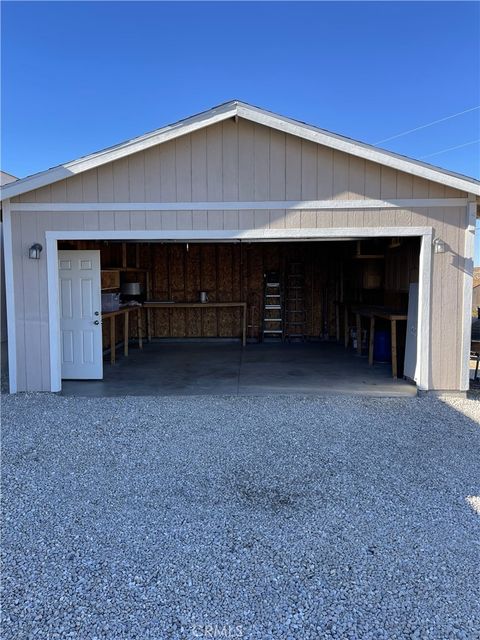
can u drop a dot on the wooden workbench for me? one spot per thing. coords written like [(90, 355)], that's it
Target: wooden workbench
[(392, 315), (200, 305), (125, 312)]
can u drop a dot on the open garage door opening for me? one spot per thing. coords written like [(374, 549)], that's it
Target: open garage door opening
[(240, 317)]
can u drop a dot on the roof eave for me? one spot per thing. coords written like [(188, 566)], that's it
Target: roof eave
[(159, 136), (255, 114), (361, 149)]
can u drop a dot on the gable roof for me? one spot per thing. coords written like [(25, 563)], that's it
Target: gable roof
[(254, 114), (5, 178)]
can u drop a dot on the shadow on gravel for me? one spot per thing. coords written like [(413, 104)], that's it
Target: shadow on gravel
[(282, 517)]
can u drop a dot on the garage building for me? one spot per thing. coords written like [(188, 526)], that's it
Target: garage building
[(240, 224)]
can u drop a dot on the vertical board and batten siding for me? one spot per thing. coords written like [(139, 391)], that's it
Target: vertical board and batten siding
[(233, 161)]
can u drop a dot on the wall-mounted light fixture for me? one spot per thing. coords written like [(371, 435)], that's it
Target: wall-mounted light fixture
[(438, 246), (35, 251)]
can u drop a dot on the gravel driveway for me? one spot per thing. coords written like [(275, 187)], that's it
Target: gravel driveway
[(155, 518)]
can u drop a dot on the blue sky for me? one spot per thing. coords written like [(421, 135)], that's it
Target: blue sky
[(77, 77)]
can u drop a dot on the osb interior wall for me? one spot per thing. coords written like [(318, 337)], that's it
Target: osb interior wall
[(235, 273)]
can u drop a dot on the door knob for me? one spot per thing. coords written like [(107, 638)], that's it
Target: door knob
[(97, 313), (96, 322)]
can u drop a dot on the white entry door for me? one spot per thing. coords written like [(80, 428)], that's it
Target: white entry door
[(410, 367), (80, 315)]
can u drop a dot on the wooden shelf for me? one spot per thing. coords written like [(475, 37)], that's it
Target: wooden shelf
[(123, 269), (374, 256), (111, 276), (110, 279)]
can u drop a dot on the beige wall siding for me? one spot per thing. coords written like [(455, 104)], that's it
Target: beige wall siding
[(247, 162), (237, 161), (31, 283)]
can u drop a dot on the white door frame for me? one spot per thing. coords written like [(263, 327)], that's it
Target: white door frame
[(257, 235)]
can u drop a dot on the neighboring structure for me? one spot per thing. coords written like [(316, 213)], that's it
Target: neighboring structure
[(476, 277), (476, 299), (6, 178), (476, 290), (241, 175)]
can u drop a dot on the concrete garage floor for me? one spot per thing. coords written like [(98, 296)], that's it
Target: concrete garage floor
[(199, 368)]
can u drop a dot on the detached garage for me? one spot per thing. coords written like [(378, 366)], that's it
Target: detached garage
[(240, 236)]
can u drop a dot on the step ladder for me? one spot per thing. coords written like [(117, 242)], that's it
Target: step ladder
[(272, 325), (295, 313)]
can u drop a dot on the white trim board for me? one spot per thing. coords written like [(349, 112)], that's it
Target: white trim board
[(424, 306), (54, 332), (259, 235), (293, 205), (467, 296), (10, 297), (236, 109), (248, 235)]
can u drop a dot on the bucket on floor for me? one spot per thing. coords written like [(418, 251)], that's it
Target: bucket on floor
[(382, 347)]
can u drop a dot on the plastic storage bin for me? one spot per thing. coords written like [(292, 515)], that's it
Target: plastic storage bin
[(382, 347), (110, 302)]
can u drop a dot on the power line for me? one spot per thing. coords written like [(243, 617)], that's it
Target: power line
[(424, 126), (458, 146)]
